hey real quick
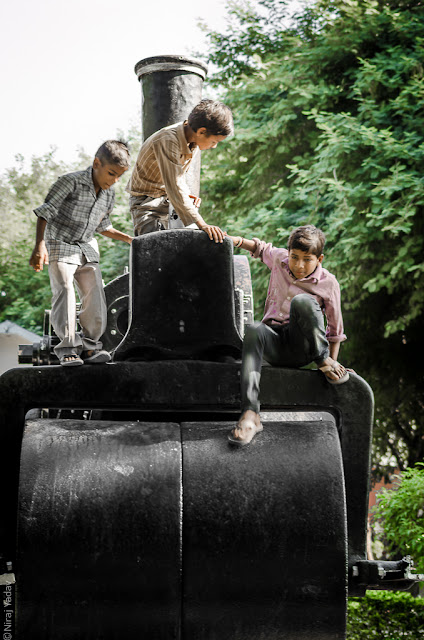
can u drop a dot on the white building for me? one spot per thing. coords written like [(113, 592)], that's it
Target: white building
[(11, 336)]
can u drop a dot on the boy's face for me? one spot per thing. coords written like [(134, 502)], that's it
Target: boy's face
[(302, 263), (204, 141), (106, 175)]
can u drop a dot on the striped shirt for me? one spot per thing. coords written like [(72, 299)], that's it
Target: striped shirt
[(283, 287), (74, 213), (160, 170)]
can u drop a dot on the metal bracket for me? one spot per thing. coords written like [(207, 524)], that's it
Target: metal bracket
[(388, 575)]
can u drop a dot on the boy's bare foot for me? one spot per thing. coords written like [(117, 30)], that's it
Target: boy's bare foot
[(333, 371), (245, 430)]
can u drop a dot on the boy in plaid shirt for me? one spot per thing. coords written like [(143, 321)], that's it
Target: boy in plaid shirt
[(78, 205)]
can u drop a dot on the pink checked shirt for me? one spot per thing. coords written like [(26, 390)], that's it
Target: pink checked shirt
[(283, 287)]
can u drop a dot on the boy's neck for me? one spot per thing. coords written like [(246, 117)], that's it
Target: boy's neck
[(190, 135)]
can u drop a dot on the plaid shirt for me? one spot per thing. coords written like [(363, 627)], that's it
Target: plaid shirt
[(160, 170), (74, 213)]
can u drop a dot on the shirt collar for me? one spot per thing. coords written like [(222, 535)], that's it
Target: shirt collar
[(185, 149), (87, 177)]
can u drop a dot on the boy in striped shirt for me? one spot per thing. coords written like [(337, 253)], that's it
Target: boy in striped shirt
[(159, 176)]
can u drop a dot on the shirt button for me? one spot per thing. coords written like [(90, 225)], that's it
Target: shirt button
[(280, 314), (288, 297)]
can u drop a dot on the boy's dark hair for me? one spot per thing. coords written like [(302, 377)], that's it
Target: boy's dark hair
[(215, 116), (308, 239), (114, 152)]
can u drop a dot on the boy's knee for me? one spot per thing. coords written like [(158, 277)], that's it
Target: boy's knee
[(255, 331), (64, 286), (304, 303)]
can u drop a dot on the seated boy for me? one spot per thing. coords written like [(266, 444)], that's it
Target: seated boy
[(292, 332), (77, 205), (158, 178)]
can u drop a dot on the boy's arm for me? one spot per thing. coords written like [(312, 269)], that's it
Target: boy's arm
[(214, 232), (45, 213), (117, 235), (243, 243), (39, 256), (333, 312), (177, 190)]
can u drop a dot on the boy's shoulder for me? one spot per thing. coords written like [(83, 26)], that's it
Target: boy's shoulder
[(168, 132), (83, 176), (328, 279)]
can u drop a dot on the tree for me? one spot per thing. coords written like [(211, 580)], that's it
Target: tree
[(401, 512), (328, 131)]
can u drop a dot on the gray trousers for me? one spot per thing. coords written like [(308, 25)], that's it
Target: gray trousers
[(295, 344), (149, 214), (92, 316)]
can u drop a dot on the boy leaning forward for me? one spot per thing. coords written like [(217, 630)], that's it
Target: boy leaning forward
[(292, 332), (158, 179)]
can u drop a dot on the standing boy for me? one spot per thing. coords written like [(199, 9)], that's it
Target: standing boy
[(292, 332), (78, 205), (158, 178)]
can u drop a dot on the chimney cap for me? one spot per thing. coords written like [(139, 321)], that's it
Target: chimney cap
[(170, 63)]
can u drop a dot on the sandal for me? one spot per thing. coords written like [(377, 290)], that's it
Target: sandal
[(245, 424), (96, 357), (71, 360), (328, 368)]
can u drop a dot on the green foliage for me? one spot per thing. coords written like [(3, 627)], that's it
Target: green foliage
[(401, 513), (382, 614), (329, 131)]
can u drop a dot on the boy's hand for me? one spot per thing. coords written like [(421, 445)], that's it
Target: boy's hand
[(214, 233), (236, 240), (39, 257), (196, 201)]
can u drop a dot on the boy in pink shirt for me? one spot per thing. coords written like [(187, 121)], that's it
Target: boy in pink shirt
[(292, 332)]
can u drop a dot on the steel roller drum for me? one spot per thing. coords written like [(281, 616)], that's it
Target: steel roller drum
[(164, 531), (264, 535), (99, 531)]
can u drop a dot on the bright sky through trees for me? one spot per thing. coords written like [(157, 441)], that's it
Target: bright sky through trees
[(67, 69)]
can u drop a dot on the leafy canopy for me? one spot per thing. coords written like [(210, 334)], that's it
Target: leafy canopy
[(330, 131)]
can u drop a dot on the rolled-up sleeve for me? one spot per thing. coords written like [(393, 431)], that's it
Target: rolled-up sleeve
[(104, 225), (61, 189), (168, 159), (266, 252), (333, 312)]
